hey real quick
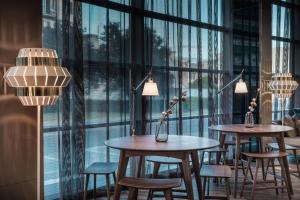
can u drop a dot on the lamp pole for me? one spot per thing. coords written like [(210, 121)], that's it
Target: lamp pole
[(133, 93)]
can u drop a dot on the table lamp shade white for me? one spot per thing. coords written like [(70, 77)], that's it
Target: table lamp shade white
[(241, 87), (39, 78), (150, 88)]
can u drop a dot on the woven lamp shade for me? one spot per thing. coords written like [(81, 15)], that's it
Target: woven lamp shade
[(38, 76), (282, 85)]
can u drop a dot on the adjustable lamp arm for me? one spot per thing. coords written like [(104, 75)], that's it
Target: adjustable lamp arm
[(231, 82), (143, 81)]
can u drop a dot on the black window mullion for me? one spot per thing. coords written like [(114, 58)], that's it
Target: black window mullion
[(107, 82)]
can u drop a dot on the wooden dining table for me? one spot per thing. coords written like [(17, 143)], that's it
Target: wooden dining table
[(259, 130), (181, 147)]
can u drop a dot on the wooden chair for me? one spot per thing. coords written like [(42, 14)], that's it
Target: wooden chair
[(217, 151), (259, 157), (243, 144), (165, 185), (100, 168), (274, 146), (215, 171), (162, 160)]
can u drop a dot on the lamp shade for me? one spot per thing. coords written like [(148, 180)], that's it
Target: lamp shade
[(150, 88), (37, 76), (282, 85), (241, 87)]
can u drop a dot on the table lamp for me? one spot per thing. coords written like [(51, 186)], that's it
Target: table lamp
[(150, 89), (240, 87), (39, 79)]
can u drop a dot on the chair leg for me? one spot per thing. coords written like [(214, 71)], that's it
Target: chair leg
[(168, 194), (208, 183), (107, 186), (246, 176), (115, 179), (95, 185), (297, 162), (204, 188), (255, 178), (86, 186), (131, 193), (267, 168), (227, 188), (154, 175), (284, 177), (274, 174)]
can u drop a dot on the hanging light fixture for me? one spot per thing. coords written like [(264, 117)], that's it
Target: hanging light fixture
[(282, 85), (37, 76)]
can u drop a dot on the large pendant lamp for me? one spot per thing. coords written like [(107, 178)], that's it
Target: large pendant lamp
[(282, 85), (39, 79)]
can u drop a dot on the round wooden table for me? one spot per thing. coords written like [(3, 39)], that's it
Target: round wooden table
[(259, 130), (180, 147)]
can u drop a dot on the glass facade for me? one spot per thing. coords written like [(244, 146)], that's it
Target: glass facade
[(111, 45), (282, 49), (184, 50)]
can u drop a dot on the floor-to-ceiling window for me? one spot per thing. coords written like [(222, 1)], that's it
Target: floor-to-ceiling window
[(283, 46), (182, 41)]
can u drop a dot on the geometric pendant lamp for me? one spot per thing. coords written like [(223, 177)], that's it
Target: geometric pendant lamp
[(282, 85), (37, 76), (39, 79)]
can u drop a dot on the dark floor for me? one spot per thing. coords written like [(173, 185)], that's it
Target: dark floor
[(220, 191)]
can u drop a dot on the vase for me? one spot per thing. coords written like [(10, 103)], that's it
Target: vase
[(249, 120), (161, 132)]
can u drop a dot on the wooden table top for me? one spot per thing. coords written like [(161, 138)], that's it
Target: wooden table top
[(148, 143), (258, 128)]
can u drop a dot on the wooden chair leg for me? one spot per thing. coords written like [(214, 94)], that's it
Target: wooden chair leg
[(131, 193), (86, 186), (150, 195), (168, 194), (285, 178), (107, 186), (227, 188), (267, 168), (246, 176), (154, 175), (255, 178), (297, 162), (95, 185), (274, 174)]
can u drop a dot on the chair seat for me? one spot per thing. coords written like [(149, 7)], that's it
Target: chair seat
[(292, 141), (287, 147), (215, 149), (148, 183), (232, 142), (266, 155), (215, 171), (101, 168), (164, 160)]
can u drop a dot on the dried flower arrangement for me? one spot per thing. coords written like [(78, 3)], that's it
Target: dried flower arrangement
[(253, 103), (249, 119), (168, 112)]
